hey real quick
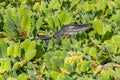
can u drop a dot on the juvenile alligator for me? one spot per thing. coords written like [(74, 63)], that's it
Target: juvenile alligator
[(67, 30)]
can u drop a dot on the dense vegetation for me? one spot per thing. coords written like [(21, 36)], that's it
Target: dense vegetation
[(89, 55)]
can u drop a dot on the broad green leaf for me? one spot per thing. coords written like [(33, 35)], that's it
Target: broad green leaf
[(84, 66), (17, 50), (25, 44), (10, 32), (26, 23), (42, 6), (66, 44), (74, 3), (73, 60), (38, 23), (116, 16), (10, 20), (24, 10), (116, 3), (3, 48), (54, 4), (53, 75), (30, 54), (50, 45), (117, 70), (22, 76), (10, 12), (112, 48), (108, 35), (14, 50), (116, 39), (47, 58), (13, 16), (114, 74), (105, 75), (24, 14), (23, 1), (92, 34), (16, 66), (61, 54), (53, 22), (29, 48), (86, 6), (56, 63), (32, 45), (98, 25), (56, 21), (68, 67), (10, 50), (5, 65), (86, 49), (93, 52), (48, 12), (117, 59), (9, 28), (39, 51), (10, 78), (86, 18), (31, 51), (30, 65), (113, 44), (50, 22), (101, 5), (63, 77), (65, 17)]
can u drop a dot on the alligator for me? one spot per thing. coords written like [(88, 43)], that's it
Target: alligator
[(67, 30)]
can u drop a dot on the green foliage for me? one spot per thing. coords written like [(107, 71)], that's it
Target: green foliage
[(82, 67), (5, 65), (29, 49), (89, 55), (3, 48), (14, 50), (22, 76)]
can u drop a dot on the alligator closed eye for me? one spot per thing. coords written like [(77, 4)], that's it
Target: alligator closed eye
[(67, 30)]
